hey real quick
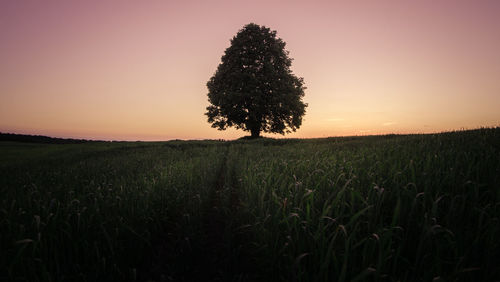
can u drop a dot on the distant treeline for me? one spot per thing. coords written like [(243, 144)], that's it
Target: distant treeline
[(39, 139)]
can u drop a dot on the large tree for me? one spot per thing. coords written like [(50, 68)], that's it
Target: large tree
[(254, 88)]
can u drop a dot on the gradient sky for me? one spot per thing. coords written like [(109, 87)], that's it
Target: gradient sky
[(137, 70)]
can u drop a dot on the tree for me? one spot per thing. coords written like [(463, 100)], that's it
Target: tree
[(254, 88)]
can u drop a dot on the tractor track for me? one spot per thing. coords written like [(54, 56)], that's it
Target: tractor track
[(215, 254)]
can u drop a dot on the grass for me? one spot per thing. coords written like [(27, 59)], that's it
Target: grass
[(377, 208)]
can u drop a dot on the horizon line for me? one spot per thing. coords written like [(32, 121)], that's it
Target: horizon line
[(462, 129)]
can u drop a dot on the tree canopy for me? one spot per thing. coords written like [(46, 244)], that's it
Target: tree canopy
[(254, 88)]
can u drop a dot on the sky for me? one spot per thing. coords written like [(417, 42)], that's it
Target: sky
[(137, 70)]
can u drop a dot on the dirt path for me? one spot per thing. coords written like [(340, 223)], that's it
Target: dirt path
[(224, 259), (213, 263), (215, 253)]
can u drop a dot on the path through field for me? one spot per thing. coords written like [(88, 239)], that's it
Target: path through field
[(217, 253)]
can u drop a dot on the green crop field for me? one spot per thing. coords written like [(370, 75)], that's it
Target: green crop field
[(375, 208)]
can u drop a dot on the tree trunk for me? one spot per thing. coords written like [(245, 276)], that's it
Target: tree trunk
[(255, 132)]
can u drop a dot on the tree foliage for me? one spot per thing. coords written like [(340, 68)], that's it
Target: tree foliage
[(254, 88)]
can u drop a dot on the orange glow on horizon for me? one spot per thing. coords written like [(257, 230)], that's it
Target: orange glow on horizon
[(137, 71)]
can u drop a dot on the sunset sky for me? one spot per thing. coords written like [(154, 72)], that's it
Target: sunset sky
[(137, 70)]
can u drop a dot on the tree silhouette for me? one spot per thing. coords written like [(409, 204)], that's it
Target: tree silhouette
[(254, 88)]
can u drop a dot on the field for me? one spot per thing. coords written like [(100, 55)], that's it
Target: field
[(375, 208)]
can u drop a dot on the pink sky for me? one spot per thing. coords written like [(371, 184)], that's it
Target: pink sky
[(136, 70)]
